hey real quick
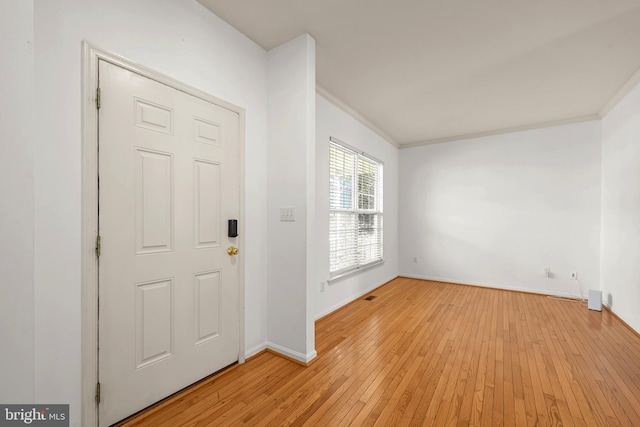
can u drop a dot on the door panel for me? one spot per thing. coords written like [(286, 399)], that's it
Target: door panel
[(169, 181)]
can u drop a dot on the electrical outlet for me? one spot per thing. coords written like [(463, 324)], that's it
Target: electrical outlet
[(322, 286), (574, 275), (415, 259)]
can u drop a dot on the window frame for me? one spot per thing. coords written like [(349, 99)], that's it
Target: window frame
[(355, 210)]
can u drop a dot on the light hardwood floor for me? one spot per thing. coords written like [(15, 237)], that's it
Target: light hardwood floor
[(433, 354)]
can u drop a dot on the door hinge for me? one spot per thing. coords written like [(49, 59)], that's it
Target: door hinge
[(98, 98), (98, 246), (98, 393)]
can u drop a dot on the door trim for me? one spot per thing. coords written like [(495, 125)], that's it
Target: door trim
[(89, 288)]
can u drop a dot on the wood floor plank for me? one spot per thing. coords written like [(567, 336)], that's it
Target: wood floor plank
[(427, 353), (353, 411), (467, 373), (457, 378), (468, 394)]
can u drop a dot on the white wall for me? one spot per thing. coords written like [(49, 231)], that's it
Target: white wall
[(333, 121), (290, 171), (497, 210), (176, 37), (497, 214), (16, 202), (620, 261)]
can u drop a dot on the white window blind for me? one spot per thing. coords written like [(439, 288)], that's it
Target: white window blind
[(355, 209)]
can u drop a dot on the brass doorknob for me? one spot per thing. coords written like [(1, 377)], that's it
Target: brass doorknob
[(232, 251)]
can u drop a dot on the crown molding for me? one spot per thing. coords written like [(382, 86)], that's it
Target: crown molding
[(503, 131), (353, 113), (624, 90)]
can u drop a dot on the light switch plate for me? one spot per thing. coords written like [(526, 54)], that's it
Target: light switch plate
[(288, 213)]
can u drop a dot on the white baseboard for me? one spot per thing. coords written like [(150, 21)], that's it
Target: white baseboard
[(304, 358), (492, 285), (255, 350), (350, 299)]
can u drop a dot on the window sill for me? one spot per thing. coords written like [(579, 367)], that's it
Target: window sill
[(354, 271)]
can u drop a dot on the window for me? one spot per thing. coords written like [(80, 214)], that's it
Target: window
[(355, 210)]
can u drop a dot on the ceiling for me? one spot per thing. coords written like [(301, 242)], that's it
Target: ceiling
[(423, 71)]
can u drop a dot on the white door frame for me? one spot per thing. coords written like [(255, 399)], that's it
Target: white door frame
[(89, 288)]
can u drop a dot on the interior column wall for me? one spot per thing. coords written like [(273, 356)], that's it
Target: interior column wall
[(16, 203), (290, 184), (620, 253)]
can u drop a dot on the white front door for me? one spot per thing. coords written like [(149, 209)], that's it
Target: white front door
[(168, 289)]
